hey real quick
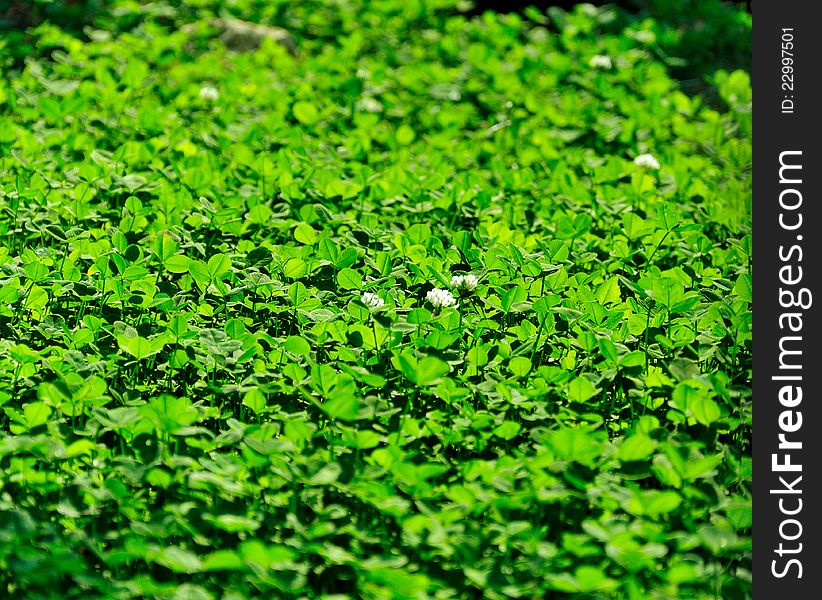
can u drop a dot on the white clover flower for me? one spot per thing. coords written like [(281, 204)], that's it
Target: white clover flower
[(441, 298), (371, 300), (600, 61), (647, 161), (368, 104), (465, 283), (208, 92)]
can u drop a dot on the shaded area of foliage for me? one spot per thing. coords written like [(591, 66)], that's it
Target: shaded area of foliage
[(695, 39), (199, 401)]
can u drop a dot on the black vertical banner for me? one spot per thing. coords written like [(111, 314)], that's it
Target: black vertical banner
[(787, 249)]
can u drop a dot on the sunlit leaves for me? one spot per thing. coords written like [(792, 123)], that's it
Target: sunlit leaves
[(581, 389), (140, 347), (33, 415), (305, 112), (218, 354), (218, 266), (422, 372), (349, 279)]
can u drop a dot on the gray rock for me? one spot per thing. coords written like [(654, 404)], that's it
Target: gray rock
[(243, 36)]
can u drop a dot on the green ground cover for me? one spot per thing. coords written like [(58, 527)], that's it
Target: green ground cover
[(225, 370)]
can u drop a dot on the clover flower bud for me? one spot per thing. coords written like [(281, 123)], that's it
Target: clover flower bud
[(600, 61), (465, 283), (208, 92), (647, 161), (371, 300), (441, 298)]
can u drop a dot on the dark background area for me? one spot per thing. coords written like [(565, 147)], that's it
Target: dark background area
[(694, 37), (519, 5), (706, 35), (26, 13)]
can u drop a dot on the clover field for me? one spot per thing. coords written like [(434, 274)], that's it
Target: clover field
[(222, 375)]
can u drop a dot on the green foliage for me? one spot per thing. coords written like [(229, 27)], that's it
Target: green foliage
[(221, 372)]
